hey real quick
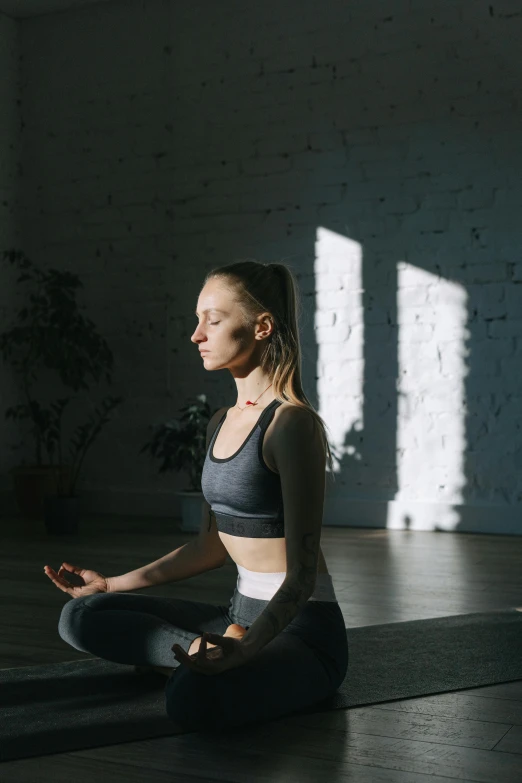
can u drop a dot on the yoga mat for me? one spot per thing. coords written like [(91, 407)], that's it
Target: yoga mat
[(92, 702)]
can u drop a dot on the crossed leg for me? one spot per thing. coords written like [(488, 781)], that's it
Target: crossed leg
[(233, 630), (284, 676)]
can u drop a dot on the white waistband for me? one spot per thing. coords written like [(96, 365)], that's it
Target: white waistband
[(260, 584)]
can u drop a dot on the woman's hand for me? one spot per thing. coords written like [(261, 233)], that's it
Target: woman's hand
[(227, 654), (87, 582)]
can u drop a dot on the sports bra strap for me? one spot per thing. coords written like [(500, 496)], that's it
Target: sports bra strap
[(267, 415)]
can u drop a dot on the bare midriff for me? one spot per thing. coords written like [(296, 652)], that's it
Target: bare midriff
[(262, 554), (267, 555)]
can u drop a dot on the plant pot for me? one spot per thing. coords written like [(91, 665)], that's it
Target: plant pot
[(32, 483), (61, 514), (191, 510)]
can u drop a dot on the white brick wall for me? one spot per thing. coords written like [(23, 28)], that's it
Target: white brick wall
[(161, 140)]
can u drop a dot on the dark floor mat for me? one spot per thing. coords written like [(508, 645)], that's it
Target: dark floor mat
[(91, 702)]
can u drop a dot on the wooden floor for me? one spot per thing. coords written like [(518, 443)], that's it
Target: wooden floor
[(380, 576)]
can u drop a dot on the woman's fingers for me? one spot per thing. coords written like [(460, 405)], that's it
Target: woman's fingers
[(222, 641), (73, 568), (209, 641), (59, 581), (202, 652), (59, 574), (180, 654)]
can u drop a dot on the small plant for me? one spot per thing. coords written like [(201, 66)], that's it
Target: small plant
[(181, 444), (51, 333)]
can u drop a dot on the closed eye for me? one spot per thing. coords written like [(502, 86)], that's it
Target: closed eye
[(214, 323)]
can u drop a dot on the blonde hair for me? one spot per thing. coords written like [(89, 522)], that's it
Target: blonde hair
[(259, 288)]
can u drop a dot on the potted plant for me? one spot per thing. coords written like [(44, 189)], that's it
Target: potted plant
[(181, 445), (50, 333)]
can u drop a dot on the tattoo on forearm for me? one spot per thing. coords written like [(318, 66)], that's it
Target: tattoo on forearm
[(296, 593), (308, 564), (292, 598)]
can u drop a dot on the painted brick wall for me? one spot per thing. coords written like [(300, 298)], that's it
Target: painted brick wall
[(9, 208), (9, 128), (375, 148)]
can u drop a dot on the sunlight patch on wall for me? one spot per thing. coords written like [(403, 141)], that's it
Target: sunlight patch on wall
[(339, 338), (432, 317)]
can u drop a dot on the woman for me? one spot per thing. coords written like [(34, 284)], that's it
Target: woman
[(280, 645)]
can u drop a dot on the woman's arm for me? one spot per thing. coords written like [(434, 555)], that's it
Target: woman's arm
[(281, 610), (300, 456), (186, 561)]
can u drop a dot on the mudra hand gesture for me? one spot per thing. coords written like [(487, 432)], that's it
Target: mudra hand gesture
[(216, 653), (88, 582)]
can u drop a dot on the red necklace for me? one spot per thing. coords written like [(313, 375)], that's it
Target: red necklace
[(248, 402)]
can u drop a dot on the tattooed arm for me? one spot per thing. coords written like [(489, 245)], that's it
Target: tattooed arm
[(298, 450), (280, 611)]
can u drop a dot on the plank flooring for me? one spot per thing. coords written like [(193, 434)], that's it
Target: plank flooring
[(379, 576)]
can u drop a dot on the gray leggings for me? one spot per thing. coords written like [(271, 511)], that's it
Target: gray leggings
[(301, 666)]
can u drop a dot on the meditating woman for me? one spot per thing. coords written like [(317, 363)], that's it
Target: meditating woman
[(280, 645)]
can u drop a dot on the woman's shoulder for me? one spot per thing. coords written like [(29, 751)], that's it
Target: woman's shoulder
[(292, 424), (291, 413)]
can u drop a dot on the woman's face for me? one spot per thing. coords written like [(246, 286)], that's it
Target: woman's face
[(221, 330)]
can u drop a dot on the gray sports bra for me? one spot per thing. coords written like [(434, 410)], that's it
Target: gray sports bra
[(243, 493)]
